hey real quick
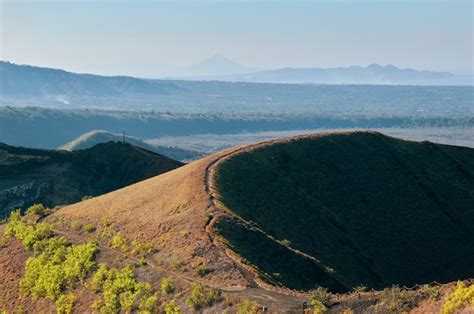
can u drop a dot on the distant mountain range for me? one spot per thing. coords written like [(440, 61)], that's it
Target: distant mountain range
[(216, 65), (31, 81), (373, 74), (24, 82)]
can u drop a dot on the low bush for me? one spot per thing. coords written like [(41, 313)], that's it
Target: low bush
[(65, 303), (203, 270), (172, 308), (58, 267), (3, 243), (30, 235), (141, 249), (247, 307), (320, 294), (460, 297), (430, 292), (199, 298), (36, 209), (89, 228), (398, 300), (121, 291), (167, 286), (320, 298), (119, 242)]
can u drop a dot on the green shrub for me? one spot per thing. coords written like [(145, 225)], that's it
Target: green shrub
[(141, 249), (3, 243), (460, 297), (89, 228), (286, 242), (30, 235), (15, 226), (121, 291), (398, 300), (430, 292), (320, 294), (118, 242), (359, 289), (36, 209), (213, 296), (167, 286), (147, 305), (247, 307), (198, 298), (65, 303), (58, 267), (172, 308), (203, 270)]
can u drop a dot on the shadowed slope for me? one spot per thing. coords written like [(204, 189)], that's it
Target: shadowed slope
[(58, 177), (371, 209)]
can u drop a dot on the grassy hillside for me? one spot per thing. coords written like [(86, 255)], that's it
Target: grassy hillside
[(59, 177), (166, 244), (95, 137), (373, 210)]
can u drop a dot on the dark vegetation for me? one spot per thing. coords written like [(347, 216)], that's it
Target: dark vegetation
[(51, 177), (374, 210), (274, 262)]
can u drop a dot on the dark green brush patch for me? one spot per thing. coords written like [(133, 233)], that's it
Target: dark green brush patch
[(57, 177), (375, 210), (275, 262)]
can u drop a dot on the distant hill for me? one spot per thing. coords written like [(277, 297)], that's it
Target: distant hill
[(57, 177), (372, 74), (32, 81), (95, 137)]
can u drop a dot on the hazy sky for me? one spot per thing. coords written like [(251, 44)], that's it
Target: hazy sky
[(152, 38)]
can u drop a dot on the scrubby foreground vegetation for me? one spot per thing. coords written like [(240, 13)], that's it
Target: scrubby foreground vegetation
[(350, 209), (70, 276), (70, 279)]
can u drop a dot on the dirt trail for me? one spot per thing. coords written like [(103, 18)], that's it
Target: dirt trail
[(215, 211)]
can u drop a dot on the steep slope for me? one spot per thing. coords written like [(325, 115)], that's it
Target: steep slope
[(94, 137), (370, 209), (59, 177)]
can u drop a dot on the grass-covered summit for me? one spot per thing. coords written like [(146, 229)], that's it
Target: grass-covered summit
[(349, 209)]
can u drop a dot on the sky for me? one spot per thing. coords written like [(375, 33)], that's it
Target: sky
[(158, 38)]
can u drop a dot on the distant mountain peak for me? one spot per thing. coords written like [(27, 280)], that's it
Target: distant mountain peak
[(217, 64)]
